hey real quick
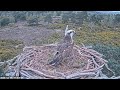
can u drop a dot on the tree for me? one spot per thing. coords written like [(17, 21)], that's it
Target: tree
[(65, 17), (4, 21), (33, 21), (73, 18), (96, 19), (84, 15), (58, 13), (19, 16), (48, 18), (117, 19), (108, 20), (79, 18)]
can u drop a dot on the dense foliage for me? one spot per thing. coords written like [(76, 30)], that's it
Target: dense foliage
[(112, 54), (32, 21), (75, 17), (48, 18), (4, 21), (8, 50)]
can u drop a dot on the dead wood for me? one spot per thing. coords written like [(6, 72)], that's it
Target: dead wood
[(32, 64)]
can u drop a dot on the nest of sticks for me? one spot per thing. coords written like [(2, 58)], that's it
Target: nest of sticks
[(85, 63)]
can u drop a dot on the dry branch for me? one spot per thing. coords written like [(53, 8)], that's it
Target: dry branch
[(38, 72), (93, 70), (79, 74)]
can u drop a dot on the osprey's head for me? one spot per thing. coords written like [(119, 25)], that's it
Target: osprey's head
[(69, 32)]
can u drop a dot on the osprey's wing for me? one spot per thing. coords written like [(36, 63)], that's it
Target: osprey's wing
[(62, 47), (56, 60), (63, 51), (59, 55)]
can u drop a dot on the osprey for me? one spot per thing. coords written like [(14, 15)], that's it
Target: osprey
[(64, 48)]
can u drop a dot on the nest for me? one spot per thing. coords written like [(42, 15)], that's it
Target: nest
[(84, 63)]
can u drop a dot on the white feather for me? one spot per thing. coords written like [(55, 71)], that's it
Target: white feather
[(66, 30)]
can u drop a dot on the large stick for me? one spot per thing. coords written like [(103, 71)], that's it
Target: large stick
[(78, 74), (38, 72), (92, 70)]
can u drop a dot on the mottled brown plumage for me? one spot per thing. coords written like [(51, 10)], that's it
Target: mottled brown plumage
[(64, 48)]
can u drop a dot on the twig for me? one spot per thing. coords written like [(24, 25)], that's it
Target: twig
[(1, 63), (24, 73), (18, 66), (12, 60), (102, 60), (39, 73), (95, 52), (88, 64), (97, 74), (102, 75), (83, 45), (95, 62), (78, 74), (118, 77), (92, 70), (84, 49), (109, 69)]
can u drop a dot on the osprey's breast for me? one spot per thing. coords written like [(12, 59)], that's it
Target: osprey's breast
[(64, 46), (67, 39)]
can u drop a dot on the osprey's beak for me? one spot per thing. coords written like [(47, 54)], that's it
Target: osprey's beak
[(73, 32)]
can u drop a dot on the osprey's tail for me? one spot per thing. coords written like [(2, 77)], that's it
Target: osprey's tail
[(53, 61)]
